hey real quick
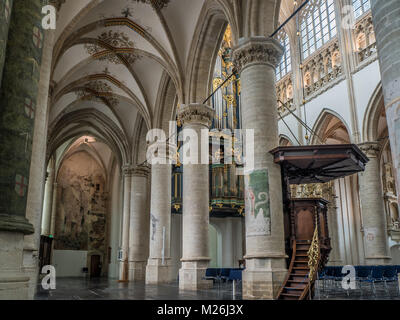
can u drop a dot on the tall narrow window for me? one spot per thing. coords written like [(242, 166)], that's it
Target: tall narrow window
[(360, 7), (318, 26), (285, 66)]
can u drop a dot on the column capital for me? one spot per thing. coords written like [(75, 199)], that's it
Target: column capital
[(127, 170), (371, 149), (141, 171), (196, 113), (255, 51)]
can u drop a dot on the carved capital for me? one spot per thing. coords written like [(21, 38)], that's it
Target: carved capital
[(141, 171), (257, 50), (371, 149), (196, 114), (127, 170)]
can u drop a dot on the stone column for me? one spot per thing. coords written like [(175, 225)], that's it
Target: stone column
[(38, 165), (54, 210), (386, 19), (195, 203), (48, 200), (373, 210), (5, 14), (256, 59), (228, 244), (139, 225), (18, 97), (124, 264), (159, 264)]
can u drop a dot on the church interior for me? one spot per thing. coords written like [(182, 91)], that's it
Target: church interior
[(316, 82)]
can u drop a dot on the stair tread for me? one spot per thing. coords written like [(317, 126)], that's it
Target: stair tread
[(291, 294), (294, 288)]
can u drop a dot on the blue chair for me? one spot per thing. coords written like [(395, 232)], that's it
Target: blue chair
[(337, 277), (225, 273), (363, 273), (376, 277), (390, 276), (212, 274), (235, 275)]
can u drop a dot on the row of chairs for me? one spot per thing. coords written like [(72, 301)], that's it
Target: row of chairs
[(371, 275), (224, 274)]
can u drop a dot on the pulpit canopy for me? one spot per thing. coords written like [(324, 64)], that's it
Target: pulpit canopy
[(319, 163)]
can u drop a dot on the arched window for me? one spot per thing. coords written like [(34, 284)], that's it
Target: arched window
[(318, 26), (285, 66), (360, 7)]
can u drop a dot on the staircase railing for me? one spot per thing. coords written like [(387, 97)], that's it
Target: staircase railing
[(314, 259)]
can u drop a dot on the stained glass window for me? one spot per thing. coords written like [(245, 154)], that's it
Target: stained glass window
[(317, 27)]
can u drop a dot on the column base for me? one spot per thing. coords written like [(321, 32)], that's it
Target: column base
[(137, 270), (192, 276), (263, 278), (157, 273), (123, 271), (14, 284), (378, 261), (11, 223)]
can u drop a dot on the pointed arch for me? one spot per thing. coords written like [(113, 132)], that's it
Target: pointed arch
[(372, 115), (330, 127), (206, 42)]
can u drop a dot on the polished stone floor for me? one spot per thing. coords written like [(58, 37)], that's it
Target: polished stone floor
[(332, 290), (107, 289)]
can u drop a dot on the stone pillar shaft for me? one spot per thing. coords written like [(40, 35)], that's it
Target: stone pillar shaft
[(48, 201), (386, 19), (124, 265), (159, 263), (18, 97), (54, 209), (139, 225), (5, 14), (38, 165), (256, 60), (195, 202), (372, 209)]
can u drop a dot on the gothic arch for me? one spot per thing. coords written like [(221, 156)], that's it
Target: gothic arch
[(372, 115), (285, 141), (91, 122), (203, 52), (92, 153), (324, 128), (166, 105)]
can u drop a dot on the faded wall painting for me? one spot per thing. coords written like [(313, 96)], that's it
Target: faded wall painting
[(258, 214), (81, 222)]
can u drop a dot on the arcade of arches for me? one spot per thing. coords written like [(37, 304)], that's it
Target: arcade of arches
[(76, 104)]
